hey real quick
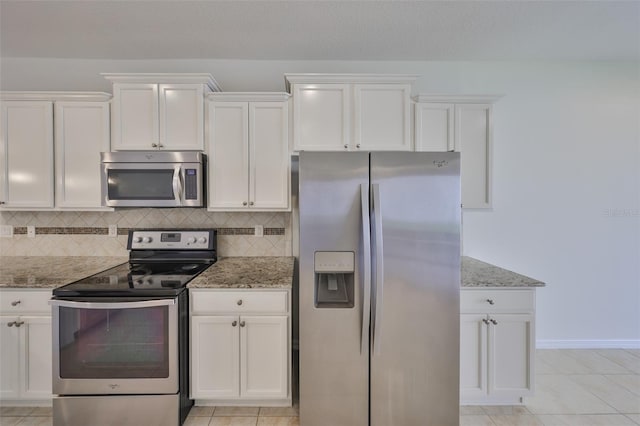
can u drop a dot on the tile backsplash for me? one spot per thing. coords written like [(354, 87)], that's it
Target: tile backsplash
[(71, 233)]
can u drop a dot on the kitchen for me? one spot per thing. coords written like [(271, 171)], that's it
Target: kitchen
[(548, 111)]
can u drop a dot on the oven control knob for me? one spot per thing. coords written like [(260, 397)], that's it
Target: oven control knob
[(191, 240), (137, 239), (147, 239), (202, 240)]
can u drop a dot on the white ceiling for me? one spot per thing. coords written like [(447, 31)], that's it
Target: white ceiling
[(322, 30)]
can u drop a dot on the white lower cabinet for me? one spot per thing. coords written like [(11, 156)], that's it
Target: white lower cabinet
[(240, 347), (497, 346), (25, 347)]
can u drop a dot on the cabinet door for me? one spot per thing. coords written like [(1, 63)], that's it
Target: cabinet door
[(135, 123), (511, 350), (181, 117), (269, 155), (9, 358), (264, 356), (36, 368), (215, 355), (229, 155), (382, 117), (321, 117), (473, 140), (473, 356), (26, 154), (434, 127), (82, 133)]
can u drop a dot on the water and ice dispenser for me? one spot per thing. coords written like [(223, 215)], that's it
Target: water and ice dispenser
[(334, 277)]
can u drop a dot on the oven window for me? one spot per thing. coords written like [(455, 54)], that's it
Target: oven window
[(141, 184), (114, 343)]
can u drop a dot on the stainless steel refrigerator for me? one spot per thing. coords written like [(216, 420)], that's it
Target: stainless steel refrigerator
[(379, 288)]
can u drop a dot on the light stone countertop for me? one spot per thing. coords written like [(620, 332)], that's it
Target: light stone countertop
[(476, 273), (51, 271), (247, 272)]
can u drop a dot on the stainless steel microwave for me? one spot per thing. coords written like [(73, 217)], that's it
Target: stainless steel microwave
[(153, 179)]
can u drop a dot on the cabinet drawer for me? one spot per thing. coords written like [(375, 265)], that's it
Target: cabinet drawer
[(492, 301), (204, 301), (24, 302)]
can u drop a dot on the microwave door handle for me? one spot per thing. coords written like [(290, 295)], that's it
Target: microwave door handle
[(177, 185)]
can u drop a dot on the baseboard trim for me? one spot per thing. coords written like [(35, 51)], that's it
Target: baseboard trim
[(588, 344)]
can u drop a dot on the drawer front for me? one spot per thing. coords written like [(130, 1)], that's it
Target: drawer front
[(206, 302), (494, 301), (24, 302)]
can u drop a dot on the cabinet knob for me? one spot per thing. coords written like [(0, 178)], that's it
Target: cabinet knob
[(2, 202), (16, 302), (11, 324), (155, 145), (494, 322), (346, 146), (358, 146), (19, 323), (239, 302), (486, 321), (244, 203), (250, 203), (241, 323), (160, 145), (233, 324), (490, 301)]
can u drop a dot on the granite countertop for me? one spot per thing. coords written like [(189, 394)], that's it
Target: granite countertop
[(247, 272), (51, 271), (476, 273)]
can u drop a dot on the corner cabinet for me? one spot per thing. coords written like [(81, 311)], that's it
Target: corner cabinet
[(50, 149), (351, 112), (159, 111), (25, 347), (497, 346), (462, 124), (240, 347), (248, 151)]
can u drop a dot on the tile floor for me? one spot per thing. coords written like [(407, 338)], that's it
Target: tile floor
[(575, 387)]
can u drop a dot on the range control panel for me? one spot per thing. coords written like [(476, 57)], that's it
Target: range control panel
[(169, 240)]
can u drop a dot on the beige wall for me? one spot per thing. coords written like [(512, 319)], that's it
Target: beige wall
[(85, 233)]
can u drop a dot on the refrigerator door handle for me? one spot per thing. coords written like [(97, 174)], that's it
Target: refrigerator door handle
[(366, 273), (379, 268)]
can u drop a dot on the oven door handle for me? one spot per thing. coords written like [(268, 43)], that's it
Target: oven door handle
[(112, 305)]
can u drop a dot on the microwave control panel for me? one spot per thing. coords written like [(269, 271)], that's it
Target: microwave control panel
[(191, 184)]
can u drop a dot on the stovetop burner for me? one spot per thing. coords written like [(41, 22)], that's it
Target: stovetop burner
[(161, 263)]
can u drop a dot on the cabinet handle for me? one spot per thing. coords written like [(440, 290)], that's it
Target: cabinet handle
[(244, 203), (241, 323), (160, 145), (490, 301), (2, 202), (486, 321), (239, 302), (155, 145), (11, 324), (250, 203), (494, 322), (15, 302), (19, 323), (233, 324)]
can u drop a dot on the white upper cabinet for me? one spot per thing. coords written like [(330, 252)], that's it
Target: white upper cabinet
[(81, 134), (26, 154), (159, 111), (34, 174), (351, 112), (462, 124), (248, 151)]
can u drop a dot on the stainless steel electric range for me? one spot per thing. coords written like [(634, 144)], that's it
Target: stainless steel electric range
[(121, 337)]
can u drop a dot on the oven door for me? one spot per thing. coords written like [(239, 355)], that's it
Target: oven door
[(152, 184), (118, 347)]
